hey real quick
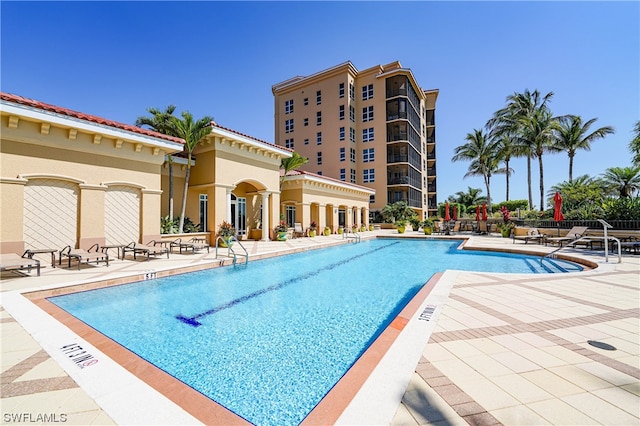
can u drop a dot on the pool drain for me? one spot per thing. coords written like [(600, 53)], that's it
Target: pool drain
[(601, 345)]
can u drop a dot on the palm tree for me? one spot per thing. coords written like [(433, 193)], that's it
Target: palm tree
[(573, 135), (634, 145), (292, 163), (506, 150), (518, 115), (483, 154), (192, 132), (624, 180), (470, 198), (160, 122)]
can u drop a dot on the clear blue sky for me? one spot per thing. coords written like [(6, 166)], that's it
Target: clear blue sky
[(116, 59)]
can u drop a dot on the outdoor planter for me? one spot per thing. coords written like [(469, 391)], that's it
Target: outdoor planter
[(327, 231)]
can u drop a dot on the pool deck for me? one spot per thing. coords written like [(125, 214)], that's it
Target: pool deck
[(502, 349)]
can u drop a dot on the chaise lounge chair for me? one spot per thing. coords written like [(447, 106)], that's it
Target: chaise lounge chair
[(152, 248), (83, 256), (11, 261), (194, 244), (527, 234), (573, 234), (482, 227), (297, 230)]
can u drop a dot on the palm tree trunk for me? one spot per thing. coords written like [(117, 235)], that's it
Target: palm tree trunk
[(529, 181), (487, 182), (184, 196), (507, 174), (570, 168), (541, 183)]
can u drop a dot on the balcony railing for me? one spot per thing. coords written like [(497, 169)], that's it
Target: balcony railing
[(402, 180), (398, 158)]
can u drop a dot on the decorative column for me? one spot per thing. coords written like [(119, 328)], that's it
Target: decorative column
[(265, 216), (322, 217), (228, 204), (358, 218)]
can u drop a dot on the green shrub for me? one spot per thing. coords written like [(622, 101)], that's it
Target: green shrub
[(621, 208)]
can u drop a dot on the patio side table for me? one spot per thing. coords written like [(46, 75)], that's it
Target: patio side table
[(118, 247), (31, 252)]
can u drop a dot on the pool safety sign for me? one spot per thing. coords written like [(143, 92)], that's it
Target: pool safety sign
[(427, 313)]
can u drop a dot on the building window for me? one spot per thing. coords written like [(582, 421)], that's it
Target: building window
[(341, 133), (343, 174), (367, 135), (372, 198), (341, 90), (319, 172), (319, 138), (204, 208), (288, 106), (343, 155), (352, 134), (352, 155), (367, 92), (318, 97), (288, 143), (306, 122), (290, 214), (319, 158), (367, 113), (352, 91), (353, 175), (369, 175), (318, 118), (367, 155), (306, 101), (306, 141), (352, 113), (288, 126), (341, 112)]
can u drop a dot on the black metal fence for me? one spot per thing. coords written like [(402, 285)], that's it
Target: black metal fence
[(568, 224)]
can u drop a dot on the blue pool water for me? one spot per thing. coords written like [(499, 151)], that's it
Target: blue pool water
[(270, 339)]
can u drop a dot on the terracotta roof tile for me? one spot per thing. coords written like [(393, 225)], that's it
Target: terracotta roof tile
[(87, 117), (214, 124)]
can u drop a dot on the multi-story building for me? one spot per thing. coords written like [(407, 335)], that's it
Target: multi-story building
[(374, 128)]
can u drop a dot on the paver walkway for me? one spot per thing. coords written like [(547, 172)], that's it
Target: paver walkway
[(507, 349)]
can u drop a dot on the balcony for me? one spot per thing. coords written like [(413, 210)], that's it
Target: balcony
[(398, 158), (402, 180)]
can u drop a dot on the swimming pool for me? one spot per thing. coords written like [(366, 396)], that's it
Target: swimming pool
[(269, 340)]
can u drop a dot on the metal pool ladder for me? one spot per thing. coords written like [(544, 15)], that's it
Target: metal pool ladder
[(230, 251), (356, 237)]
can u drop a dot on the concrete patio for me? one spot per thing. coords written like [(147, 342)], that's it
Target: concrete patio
[(505, 348)]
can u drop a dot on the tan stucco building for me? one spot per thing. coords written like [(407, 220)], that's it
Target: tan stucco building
[(374, 128), (69, 178), (235, 175)]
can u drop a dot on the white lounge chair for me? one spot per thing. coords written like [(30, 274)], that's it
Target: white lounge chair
[(11, 261), (83, 256), (573, 234)]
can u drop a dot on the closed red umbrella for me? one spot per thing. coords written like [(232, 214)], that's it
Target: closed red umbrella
[(477, 213), (447, 217), (484, 211), (455, 212), (557, 214)]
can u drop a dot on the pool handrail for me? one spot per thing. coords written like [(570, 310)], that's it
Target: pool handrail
[(229, 242)]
